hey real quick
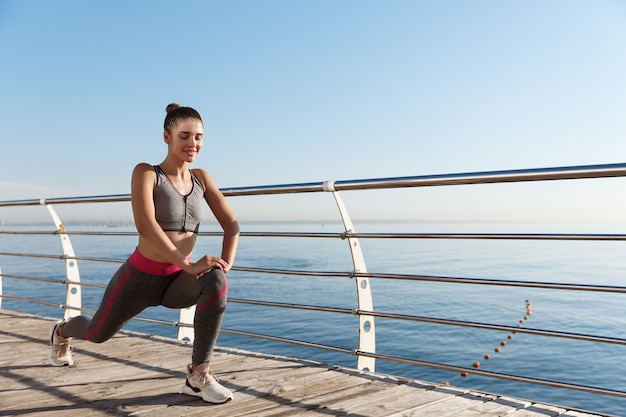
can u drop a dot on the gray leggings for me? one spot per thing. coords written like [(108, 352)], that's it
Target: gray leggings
[(130, 291)]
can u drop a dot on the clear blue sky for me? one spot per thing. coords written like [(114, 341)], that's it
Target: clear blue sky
[(303, 91)]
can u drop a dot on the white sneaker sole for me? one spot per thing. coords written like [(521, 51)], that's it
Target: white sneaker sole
[(52, 362)]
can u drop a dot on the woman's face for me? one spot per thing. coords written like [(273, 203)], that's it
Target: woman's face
[(185, 140)]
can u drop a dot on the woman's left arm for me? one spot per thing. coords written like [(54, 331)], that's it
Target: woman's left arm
[(224, 215)]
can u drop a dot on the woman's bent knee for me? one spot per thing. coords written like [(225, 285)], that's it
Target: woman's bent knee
[(215, 278), (214, 290)]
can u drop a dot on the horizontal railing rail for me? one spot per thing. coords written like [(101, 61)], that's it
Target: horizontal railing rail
[(364, 311), (403, 277), (491, 177), (345, 235)]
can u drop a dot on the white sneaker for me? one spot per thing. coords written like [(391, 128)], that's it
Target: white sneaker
[(202, 383), (60, 350)]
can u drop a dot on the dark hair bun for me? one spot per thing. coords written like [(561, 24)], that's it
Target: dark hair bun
[(172, 106)]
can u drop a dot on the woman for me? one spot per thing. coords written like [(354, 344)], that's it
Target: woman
[(166, 203)]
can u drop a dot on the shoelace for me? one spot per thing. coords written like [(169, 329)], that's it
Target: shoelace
[(208, 378), (63, 348)]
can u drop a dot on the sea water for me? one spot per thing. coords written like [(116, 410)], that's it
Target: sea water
[(570, 361)]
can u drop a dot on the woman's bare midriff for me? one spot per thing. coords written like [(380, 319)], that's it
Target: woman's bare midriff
[(184, 242)]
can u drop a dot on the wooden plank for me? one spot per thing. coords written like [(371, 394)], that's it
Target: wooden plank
[(140, 375), (498, 406), (465, 404)]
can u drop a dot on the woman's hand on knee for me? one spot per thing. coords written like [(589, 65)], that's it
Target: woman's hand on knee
[(207, 263)]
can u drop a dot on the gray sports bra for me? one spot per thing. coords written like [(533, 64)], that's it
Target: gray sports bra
[(176, 212)]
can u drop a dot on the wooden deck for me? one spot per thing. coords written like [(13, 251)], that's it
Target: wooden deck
[(137, 374)]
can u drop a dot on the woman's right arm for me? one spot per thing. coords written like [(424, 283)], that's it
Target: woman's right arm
[(142, 185)]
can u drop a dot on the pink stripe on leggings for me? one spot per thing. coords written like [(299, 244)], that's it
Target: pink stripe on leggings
[(216, 297), (108, 304)]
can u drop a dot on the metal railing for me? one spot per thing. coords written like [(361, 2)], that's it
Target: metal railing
[(365, 352)]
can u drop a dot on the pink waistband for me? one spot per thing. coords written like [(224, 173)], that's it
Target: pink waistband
[(152, 267)]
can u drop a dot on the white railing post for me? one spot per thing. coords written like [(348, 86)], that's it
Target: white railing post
[(73, 296), (367, 330), (186, 316)]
